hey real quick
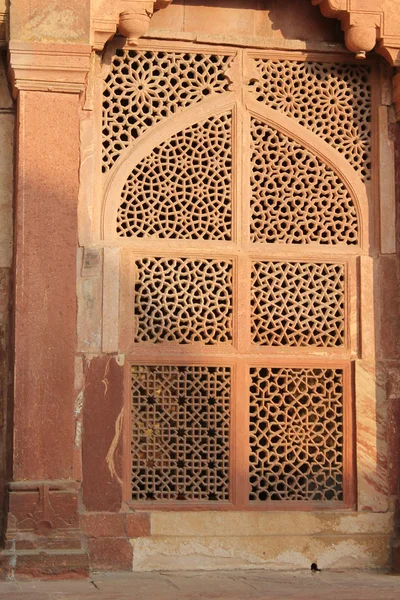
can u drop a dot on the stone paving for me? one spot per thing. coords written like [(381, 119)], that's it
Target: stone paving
[(221, 585)]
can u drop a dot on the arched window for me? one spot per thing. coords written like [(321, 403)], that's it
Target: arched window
[(236, 186)]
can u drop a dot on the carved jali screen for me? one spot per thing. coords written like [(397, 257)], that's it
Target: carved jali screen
[(233, 185)]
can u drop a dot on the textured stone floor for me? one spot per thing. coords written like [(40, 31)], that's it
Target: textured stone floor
[(222, 585)]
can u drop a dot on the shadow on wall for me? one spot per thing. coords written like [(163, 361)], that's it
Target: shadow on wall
[(287, 19)]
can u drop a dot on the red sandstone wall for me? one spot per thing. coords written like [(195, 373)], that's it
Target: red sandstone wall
[(6, 193)]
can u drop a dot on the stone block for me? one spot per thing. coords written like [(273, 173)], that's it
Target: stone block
[(110, 554), (71, 564), (137, 524), (98, 525), (102, 440)]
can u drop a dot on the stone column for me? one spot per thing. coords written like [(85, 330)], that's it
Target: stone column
[(43, 534)]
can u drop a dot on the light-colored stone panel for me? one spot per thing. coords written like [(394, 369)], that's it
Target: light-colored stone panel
[(387, 181), (110, 300), (271, 552), (371, 425), (87, 181), (269, 523), (367, 320), (90, 301)]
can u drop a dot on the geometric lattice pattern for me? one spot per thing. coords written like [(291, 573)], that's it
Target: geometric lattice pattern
[(182, 189), (145, 87), (297, 304), (182, 208), (332, 100), (180, 433), (296, 434), (295, 197), (183, 300)]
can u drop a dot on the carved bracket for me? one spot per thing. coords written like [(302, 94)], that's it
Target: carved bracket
[(367, 25), (130, 17)]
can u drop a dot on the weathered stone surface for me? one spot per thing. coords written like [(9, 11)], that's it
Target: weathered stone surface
[(387, 298), (271, 552), (372, 457), (102, 441), (59, 21)]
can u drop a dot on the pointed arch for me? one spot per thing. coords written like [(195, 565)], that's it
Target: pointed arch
[(326, 153), (150, 140)]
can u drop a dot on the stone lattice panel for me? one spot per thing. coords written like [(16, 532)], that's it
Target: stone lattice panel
[(183, 300), (296, 434), (182, 189), (180, 433), (144, 87), (295, 197), (332, 100), (297, 304)]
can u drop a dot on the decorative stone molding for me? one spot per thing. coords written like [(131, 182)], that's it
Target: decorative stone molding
[(48, 67), (131, 17), (42, 507), (42, 530)]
